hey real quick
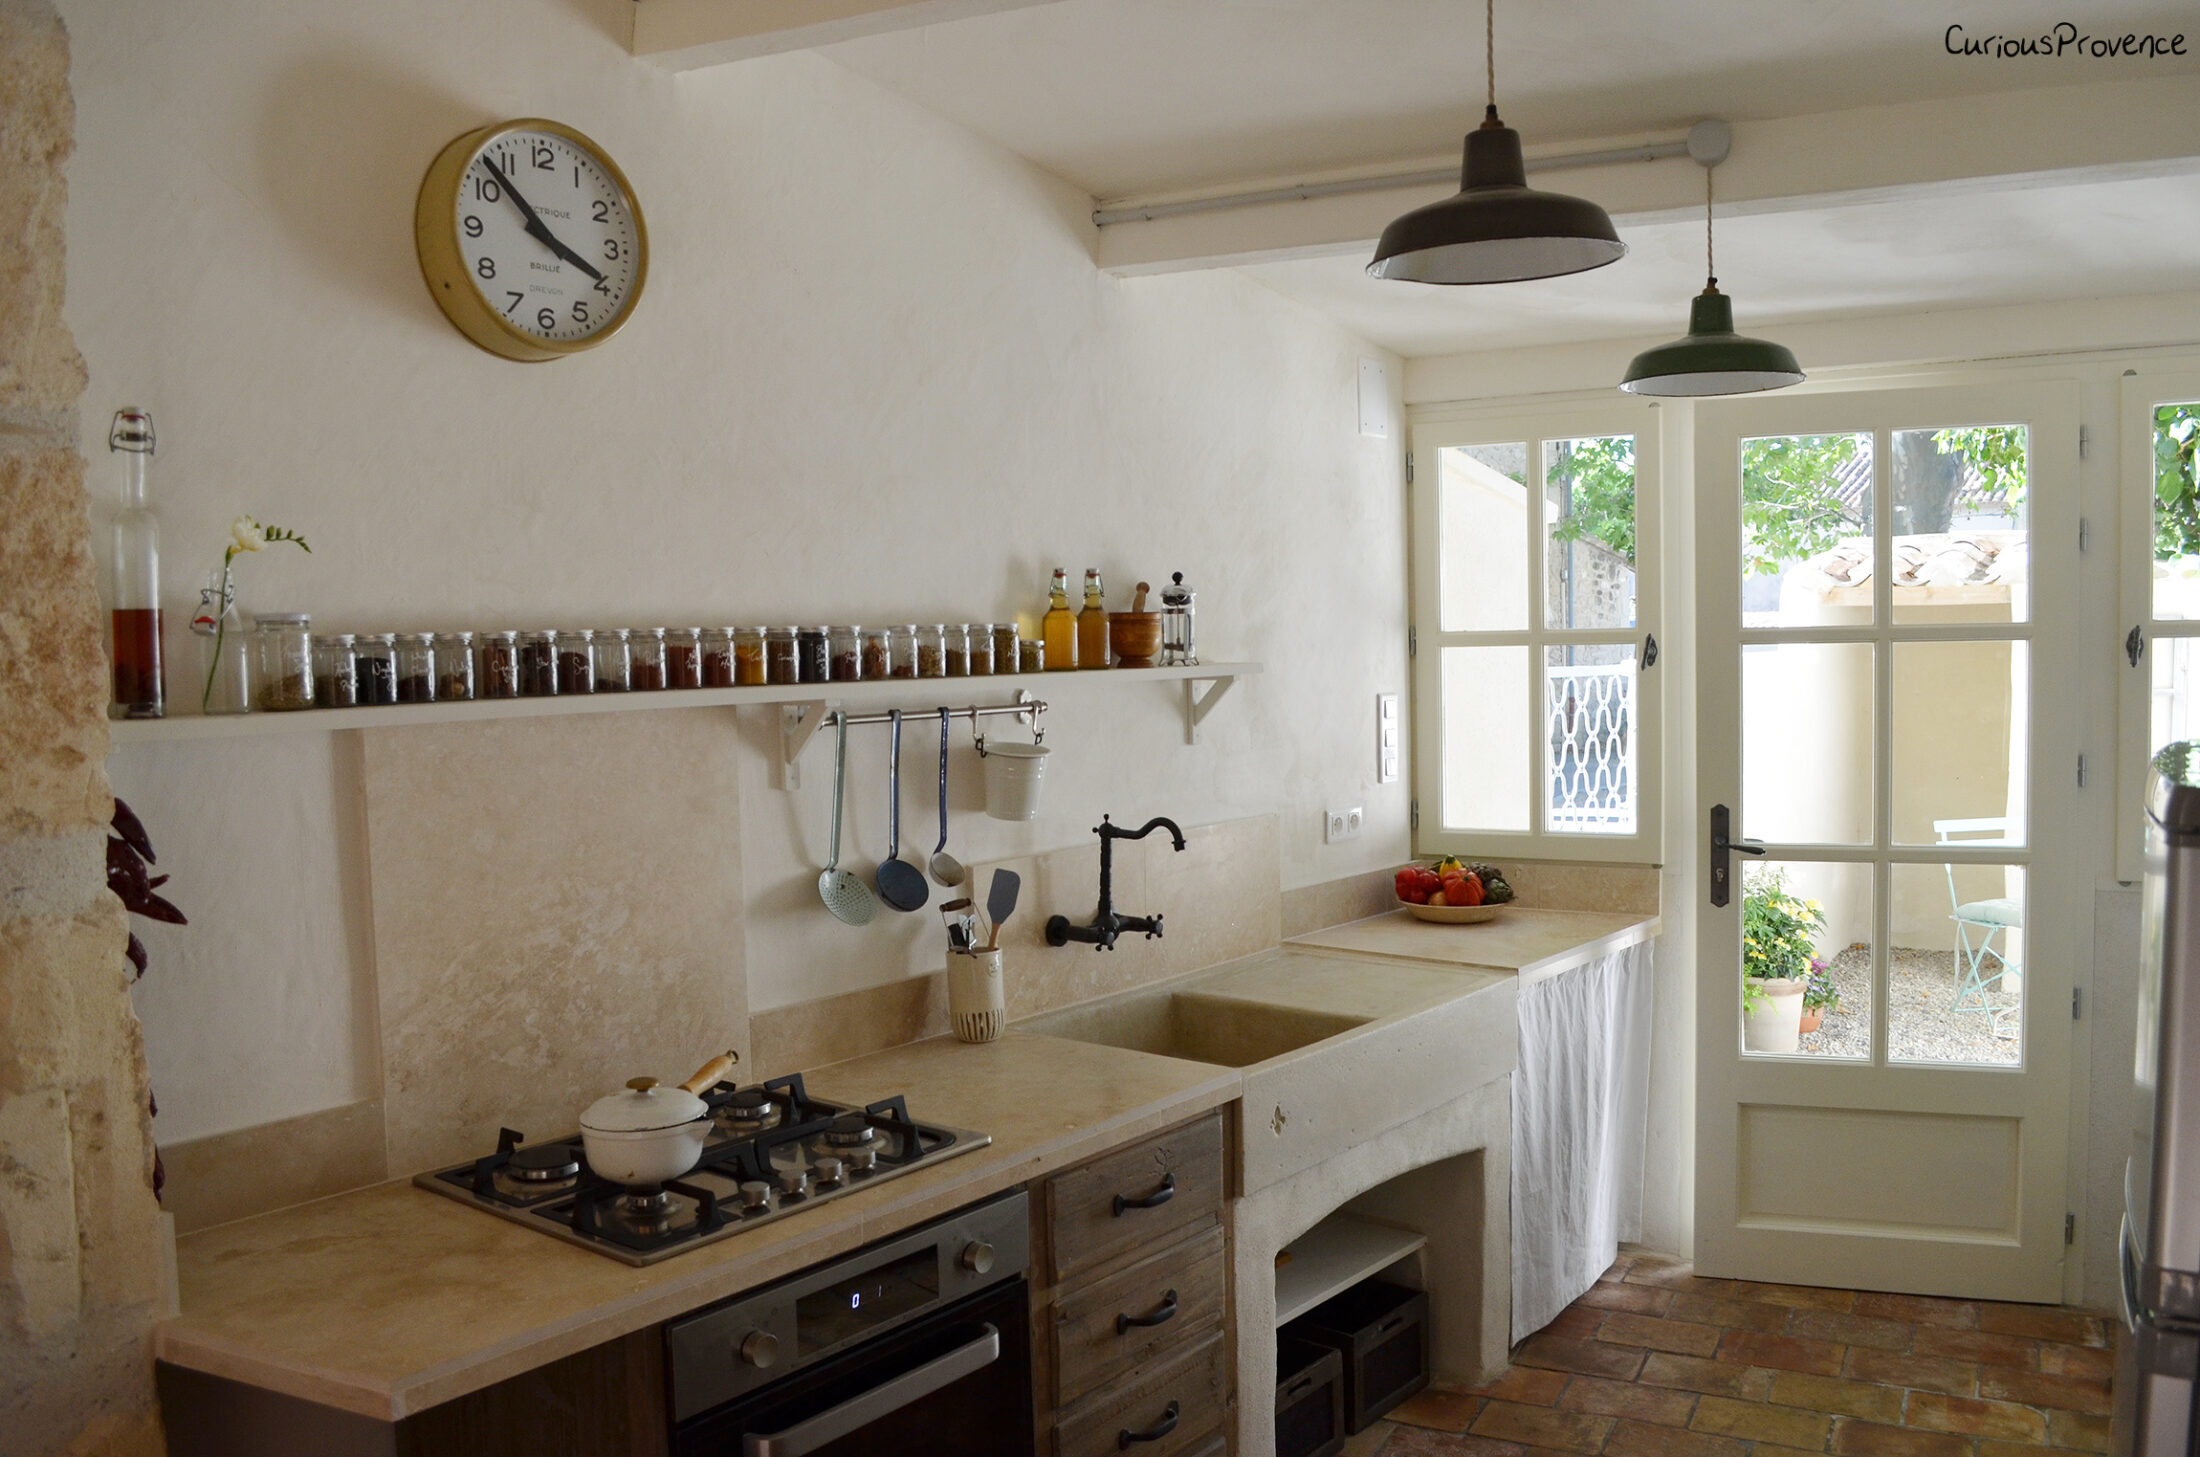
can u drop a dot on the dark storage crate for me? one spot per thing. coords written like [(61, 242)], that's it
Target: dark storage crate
[(1309, 1399), (1381, 1331)]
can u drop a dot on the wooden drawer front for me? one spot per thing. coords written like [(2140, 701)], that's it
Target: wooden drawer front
[(1195, 1383), (1178, 1174), (1094, 1339)]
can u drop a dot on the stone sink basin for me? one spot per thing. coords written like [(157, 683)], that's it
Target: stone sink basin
[(1334, 1048)]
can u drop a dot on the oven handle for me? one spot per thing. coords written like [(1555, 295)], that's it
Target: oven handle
[(891, 1396)]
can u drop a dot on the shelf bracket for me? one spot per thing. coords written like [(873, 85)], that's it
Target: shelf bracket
[(1198, 705), (798, 724)]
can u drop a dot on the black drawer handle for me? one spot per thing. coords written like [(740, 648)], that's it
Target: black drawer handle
[(1390, 1325), (1161, 1316), (1160, 1196), (1154, 1433)]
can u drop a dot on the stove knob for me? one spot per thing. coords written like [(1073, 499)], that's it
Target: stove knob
[(756, 1195), (827, 1170), (760, 1349), (862, 1160), (977, 1257), (794, 1183)]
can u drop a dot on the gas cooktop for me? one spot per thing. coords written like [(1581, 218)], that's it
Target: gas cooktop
[(773, 1151)]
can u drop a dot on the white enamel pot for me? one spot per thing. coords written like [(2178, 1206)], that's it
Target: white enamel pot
[(650, 1133)]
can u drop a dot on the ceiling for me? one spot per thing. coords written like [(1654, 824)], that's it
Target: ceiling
[(1133, 98)]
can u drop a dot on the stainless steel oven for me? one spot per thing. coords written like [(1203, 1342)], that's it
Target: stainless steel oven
[(918, 1345)]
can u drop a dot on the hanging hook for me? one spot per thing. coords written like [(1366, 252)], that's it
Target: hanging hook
[(976, 732)]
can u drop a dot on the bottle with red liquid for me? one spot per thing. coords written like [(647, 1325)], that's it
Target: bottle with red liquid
[(140, 687)]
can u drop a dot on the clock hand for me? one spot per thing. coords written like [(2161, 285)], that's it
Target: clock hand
[(536, 228)]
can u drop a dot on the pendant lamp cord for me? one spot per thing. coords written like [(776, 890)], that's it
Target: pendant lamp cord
[(1711, 272), (1489, 50)]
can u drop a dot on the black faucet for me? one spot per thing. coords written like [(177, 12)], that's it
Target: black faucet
[(1106, 924)]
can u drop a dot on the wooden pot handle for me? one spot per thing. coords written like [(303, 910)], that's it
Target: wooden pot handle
[(710, 1072)]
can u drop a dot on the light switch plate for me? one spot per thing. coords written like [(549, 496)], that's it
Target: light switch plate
[(1388, 732), (1374, 400)]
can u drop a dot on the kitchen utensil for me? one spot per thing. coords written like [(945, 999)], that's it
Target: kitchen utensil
[(650, 1133), (900, 884), (1000, 903), (844, 895), (1135, 636), (946, 869), (977, 1006), (1013, 774)]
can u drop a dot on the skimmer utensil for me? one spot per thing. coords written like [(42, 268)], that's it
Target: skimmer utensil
[(946, 869), (900, 884), (845, 895)]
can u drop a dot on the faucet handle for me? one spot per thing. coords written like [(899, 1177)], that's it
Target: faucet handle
[(1155, 929)]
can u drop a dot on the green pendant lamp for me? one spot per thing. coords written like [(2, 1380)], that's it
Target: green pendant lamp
[(1497, 229), (1713, 359)]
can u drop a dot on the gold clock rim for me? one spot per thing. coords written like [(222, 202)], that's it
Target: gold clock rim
[(435, 229)]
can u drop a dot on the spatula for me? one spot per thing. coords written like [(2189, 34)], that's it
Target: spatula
[(1000, 903)]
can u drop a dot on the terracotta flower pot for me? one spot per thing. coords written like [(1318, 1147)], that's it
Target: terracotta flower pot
[(1813, 1017)]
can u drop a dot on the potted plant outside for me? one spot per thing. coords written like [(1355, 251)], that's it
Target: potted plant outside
[(1780, 933), (1819, 997)]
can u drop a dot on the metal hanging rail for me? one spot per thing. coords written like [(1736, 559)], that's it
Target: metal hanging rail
[(801, 722)]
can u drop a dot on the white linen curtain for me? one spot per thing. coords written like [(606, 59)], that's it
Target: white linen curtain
[(1581, 1099)]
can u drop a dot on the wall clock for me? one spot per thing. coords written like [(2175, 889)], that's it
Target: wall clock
[(531, 239)]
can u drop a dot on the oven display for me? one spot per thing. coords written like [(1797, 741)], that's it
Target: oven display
[(848, 1308)]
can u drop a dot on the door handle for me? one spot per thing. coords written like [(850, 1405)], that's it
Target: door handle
[(2135, 645), (1724, 844), (882, 1400), (1649, 651), (1125, 1437), (1162, 1194), (1163, 1314)]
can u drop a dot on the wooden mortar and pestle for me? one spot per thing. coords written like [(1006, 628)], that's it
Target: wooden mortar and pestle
[(1135, 636)]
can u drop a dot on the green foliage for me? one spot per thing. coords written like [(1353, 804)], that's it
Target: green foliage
[(2176, 491), (1780, 930), (1599, 476), (1820, 991), (1996, 452), (1790, 511)]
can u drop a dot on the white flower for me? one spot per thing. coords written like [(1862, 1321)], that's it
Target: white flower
[(247, 534)]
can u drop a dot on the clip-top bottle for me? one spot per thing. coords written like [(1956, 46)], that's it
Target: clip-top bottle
[(1092, 624), (1058, 628), (140, 688)]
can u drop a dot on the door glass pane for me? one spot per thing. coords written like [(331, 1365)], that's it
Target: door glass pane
[(1807, 743), (1589, 535), (1806, 530), (1482, 511), (2176, 512), (1955, 964), (1589, 738), (1487, 752), (2175, 711), (1807, 958), (1961, 741), (1958, 523)]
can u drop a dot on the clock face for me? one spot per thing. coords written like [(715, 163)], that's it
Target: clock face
[(548, 237)]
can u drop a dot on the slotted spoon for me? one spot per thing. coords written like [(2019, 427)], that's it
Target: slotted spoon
[(845, 895), (946, 869), (900, 884)]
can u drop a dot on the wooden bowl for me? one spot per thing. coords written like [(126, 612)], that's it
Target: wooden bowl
[(1455, 915), (1134, 638)]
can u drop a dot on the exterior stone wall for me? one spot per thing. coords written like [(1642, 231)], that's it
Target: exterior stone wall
[(81, 1263)]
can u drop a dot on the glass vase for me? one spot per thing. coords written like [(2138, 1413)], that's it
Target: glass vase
[(225, 671)]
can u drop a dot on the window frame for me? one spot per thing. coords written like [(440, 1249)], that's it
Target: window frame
[(1434, 429), (2145, 387)]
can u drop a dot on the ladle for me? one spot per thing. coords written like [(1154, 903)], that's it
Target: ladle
[(900, 884), (844, 894), (946, 869)]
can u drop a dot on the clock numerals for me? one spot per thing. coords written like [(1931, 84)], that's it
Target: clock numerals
[(540, 155), (599, 210), (486, 266), (487, 191), (516, 300), (472, 225)]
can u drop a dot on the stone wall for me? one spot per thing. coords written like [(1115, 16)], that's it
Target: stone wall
[(80, 1247)]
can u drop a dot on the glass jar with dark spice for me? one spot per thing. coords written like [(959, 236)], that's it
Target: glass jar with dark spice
[(931, 651), (878, 653), (500, 664), (538, 664), (904, 647), (335, 671), (781, 664), (647, 645), (283, 674), (416, 667), (1006, 658), (955, 649), (813, 651), (847, 650), (980, 637), (1031, 655), (577, 661), (614, 654), (717, 657), (748, 657), (375, 656), (454, 667), (683, 657)]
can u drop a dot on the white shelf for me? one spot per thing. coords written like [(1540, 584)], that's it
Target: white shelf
[(1335, 1255), (914, 693)]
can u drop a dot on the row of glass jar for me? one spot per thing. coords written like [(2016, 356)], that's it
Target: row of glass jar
[(298, 668)]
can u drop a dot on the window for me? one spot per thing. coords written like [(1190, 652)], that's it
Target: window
[(2161, 586), (1534, 606)]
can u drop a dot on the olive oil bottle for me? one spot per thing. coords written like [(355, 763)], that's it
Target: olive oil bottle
[(1059, 628), (1092, 624)]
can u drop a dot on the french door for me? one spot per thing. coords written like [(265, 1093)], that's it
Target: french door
[(1886, 599)]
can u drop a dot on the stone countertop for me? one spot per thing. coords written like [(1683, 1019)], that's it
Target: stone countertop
[(1527, 941), (388, 1300)]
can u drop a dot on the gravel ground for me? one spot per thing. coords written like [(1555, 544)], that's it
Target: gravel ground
[(1923, 1024)]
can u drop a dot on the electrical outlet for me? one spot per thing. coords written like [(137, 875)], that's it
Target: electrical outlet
[(1352, 819), (1340, 824)]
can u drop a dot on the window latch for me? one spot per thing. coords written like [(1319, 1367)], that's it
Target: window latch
[(2135, 645), (1649, 650)]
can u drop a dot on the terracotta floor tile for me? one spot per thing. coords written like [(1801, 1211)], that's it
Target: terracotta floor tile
[(1367, 1441), (1919, 1309), (1984, 1347), (1678, 1277), (2003, 1420), (2086, 1394), (1748, 1315), (1524, 1384), (1578, 1321), (1540, 1426), (1925, 1373), (1590, 1358), (1641, 1299), (1628, 1399), (1854, 1437), (1850, 1330), (1679, 1336), (1648, 1439), (1715, 1378), (1421, 1442), (1837, 1395), (2044, 1323), (1445, 1411), (1991, 1448), (2076, 1429), (1769, 1449), (2060, 1360), (1782, 1353), (1754, 1421), (1805, 1295)]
